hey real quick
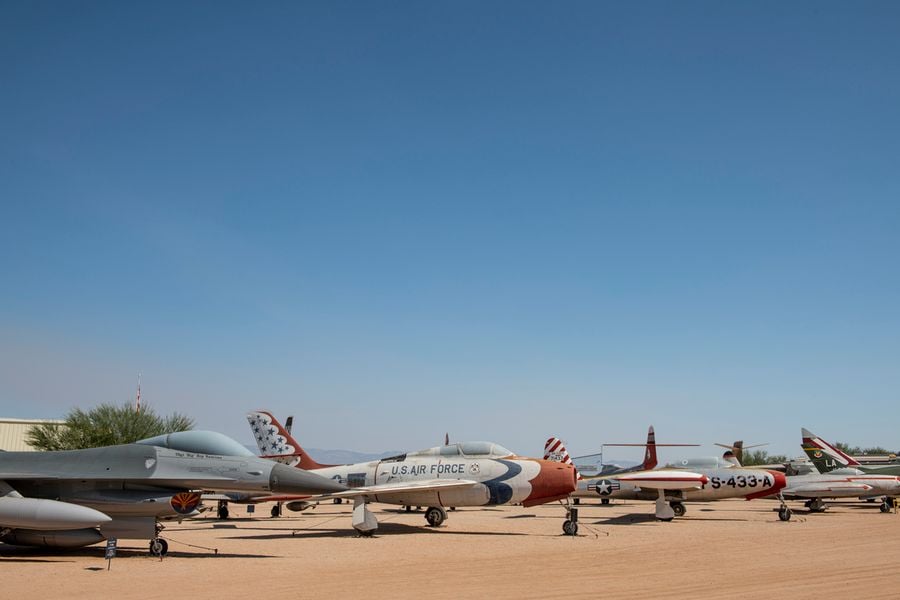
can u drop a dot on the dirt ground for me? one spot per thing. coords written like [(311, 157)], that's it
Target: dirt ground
[(731, 549)]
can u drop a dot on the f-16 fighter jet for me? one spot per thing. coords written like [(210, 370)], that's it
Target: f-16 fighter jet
[(81, 497), (463, 474), (670, 488)]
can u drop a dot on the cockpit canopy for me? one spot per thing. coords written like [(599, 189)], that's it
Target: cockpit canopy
[(466, 449), (199, 442)]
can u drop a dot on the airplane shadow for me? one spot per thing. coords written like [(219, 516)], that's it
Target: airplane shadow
[(6, 558), (629, 519), (383, 529), (25, 554)]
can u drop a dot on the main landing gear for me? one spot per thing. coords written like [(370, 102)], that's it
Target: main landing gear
[(784, 511), (887, 504), (364, 522), (678, 508), (158, 546), (664, 511), (276, 510), (435, 515), (222, 511), (815, 505)]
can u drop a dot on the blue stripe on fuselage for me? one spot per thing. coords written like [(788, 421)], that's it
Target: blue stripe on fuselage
[(501, 493)]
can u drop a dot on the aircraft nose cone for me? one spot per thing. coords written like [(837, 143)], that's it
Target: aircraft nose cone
[(291, 480), (780, 480), (554, 481)]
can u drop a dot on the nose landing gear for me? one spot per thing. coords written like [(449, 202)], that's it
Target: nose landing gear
[(570, 525), (784, 511)]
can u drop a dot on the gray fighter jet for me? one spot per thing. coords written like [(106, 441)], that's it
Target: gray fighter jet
[(80, 497)]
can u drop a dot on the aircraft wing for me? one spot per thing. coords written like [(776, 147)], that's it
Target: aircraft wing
[(827, 489), (665, 480), (386, 490)]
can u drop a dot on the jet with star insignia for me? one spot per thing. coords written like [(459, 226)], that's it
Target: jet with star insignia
[(671, 487), (453, 475)]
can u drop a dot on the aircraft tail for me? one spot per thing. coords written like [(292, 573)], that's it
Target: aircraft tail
[(823, 455), (276, 443), (650, 461), (556, 451)]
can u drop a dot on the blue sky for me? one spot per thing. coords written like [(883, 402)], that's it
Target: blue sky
[(502, 220)]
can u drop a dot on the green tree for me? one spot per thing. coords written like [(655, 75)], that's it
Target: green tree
[(105, 425), (857, 451), (761, 457), (847, 448)]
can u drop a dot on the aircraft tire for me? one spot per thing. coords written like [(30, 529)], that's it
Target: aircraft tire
[(784, 513), (570, 527), (576, 501), (435, 516), (276, 511), (159, 547), (885, 507), (604, 500), (222, 513), (678, 508)]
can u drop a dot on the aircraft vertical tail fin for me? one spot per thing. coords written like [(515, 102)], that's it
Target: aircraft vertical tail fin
[(650, 460), (823, 455), (555, 450), (738, 450), (276, 442)]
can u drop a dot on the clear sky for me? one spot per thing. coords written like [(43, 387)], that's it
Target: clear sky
[(504, 220)]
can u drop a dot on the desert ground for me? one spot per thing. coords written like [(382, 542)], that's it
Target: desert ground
[(731, 549)]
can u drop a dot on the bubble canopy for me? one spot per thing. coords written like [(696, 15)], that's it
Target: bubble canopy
[(198, 442), (466, 449)]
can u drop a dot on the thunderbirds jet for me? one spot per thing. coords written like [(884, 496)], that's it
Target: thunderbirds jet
[(670, 487), (463, 474), (80, 497)]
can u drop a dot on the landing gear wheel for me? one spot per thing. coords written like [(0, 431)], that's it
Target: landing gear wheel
[(338, 500), (678, 508), (885, 507), (576, 501), (222, 513), (784, 513), (604, 500), (159, 547), (570, 528), (435, 515), (276, 511), (408, 508), (365, 534)]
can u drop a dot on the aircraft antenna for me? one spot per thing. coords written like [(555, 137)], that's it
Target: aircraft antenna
[(137, 398)]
